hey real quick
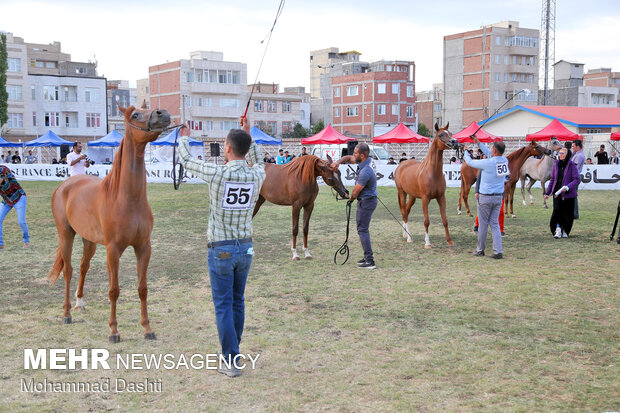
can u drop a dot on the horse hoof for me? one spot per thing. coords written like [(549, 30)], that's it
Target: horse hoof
[(66, 320), (409, 240), (295, 258), (428, 246), (115, 338), (458, 212), (546, 207), (79, 308), (309, 257), (531, 203), (469, 213), (513, 215), (451, 246), (149, 336)]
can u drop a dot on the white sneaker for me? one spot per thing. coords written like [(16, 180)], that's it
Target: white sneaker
[(564, 234), (558, 233)]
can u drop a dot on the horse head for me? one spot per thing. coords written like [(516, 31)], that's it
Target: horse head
[(537, 150), (146, 125), (330, 173), (554, 145), (444, 137)]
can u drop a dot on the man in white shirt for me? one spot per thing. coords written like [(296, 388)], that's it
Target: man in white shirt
[(76, 160)]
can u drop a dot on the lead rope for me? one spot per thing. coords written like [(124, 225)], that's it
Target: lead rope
[(344, 248), (177, 178)]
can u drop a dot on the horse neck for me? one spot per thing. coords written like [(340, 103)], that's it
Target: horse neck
[(518, 158), (434, 158), (128, 172)]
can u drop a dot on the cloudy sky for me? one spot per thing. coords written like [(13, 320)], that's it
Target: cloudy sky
[(128, 36)]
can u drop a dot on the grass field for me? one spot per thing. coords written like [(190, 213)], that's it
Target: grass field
[(429, 330)]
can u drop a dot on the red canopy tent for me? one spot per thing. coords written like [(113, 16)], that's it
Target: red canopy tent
[(553, 130), (327, 136), (400, 134), (483, 136), (615, 136)]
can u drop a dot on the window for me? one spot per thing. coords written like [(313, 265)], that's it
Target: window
[(92, 95), (496, 95), (260, 124), (50, 92), (515, 60), (228, 76), (588, 131), (195, 125), (336, 112), (50, 65), (93, 120), (208, 125), (531, 63), (352, 111), (39, 64), (531, 78), (16, 120), (381, 88), (229, 103), (15, 65), (272, 127), (514, 77), (228, 125), (380, 109), (14, 92), (286, 106), (395, 88), (271, 106), (395, 109), (52, 119), (34, 118), (67, 120), (523, 78), (498, 40), (498, 76), (189, 77), (508, 95), (498, 59), (352, 90), (206, 101), (336, 92), (410, 91), (80, 70), (258, 106), (388, 68), (287, 127), (199, 76), (189, 101), (409, 111), (523, 60), (33, 93), (506, 78), (506, 60)]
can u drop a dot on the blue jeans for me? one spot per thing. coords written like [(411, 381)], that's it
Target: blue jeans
[(365, 208), (20, 208), (229, 266)]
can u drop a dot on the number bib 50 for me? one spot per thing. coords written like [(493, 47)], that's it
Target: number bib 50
[(501, 169), (237, 195)]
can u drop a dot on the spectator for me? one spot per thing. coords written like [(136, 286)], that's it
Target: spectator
[(30, 158), (280, 159), (563, 185), (303, 151), (8, 158), (601, 156), (16, 158), (77, 160), (589, 161), (200, 157), (403, 157), (13, 196), (267, 158), (287, 157), (578, 160), (54, 161), (107, 161), (412, 157), (1, 157), (613, 159), (391, 161)]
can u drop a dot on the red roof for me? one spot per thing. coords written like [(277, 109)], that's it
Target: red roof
[(615, 136), (579, 116), (553, 130), (483, 136), (328, 135), (400, 134)]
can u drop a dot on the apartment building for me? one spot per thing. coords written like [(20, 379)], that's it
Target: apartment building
[(603, 77), (143, 92), (276, 112), (485, 68), (204, 90), (372, 102), (119, 93), (569, 88), (47, 91), (429, 106)]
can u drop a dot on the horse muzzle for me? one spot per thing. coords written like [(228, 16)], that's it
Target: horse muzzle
[(159, 119)]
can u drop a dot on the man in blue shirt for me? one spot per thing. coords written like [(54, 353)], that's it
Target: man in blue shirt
[(365, 191), (280, 159), (494, 170)]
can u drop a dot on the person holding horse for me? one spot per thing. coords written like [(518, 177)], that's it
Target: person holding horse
[(13, 196), (494, 171), (233, 191), (563, 184), (77, 160), (365, 191)]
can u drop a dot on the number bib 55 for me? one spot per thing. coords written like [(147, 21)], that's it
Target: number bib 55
[(237, 195)]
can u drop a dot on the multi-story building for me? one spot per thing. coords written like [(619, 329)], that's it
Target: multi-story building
[(322, 65), (370, 103), (143, 92), (276, 113), (485, 68), (119, 93), (569, 89), (47, 91), (429, 106), (603, 77), (204, 90)]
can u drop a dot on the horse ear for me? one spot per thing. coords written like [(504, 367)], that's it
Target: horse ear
[(329, 159), (436, 127), (122, 109), (144, 105), (447, 125)]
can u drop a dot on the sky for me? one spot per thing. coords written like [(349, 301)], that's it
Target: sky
[(126, 37)]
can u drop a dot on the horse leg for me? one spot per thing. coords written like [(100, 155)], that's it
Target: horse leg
[(522, 180), (444, 218), (466, 198), (512, 198), (113, 257), (143, 255), (542, 185), (89, 251), (427, 221), (296, 211), (66, 247), (307, 213), (259, 202), (458, 208), (402, 204), (531, 183), (410, 203)]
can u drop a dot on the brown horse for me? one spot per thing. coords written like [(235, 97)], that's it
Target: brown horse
[(114, 212), (515, 161), (425, 180), (295, 184), (468, 178)]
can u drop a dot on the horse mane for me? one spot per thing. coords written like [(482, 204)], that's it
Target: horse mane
[(303, 168), (113, 178), (517, 153)]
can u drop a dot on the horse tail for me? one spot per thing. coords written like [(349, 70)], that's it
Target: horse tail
[(56, 268)]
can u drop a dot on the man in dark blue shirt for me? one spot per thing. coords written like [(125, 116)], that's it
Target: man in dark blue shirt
[(365, 191)]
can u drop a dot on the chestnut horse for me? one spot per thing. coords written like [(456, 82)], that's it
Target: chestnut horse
[(295, 184), (425, 180), (515, 161), (468, 178), (114, 212)]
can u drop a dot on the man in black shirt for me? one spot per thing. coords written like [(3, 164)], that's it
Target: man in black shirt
[(602, 157)]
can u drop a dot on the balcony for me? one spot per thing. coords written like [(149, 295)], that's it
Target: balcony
[(523, 51), (217, 88), (214, 112), (530, 70)]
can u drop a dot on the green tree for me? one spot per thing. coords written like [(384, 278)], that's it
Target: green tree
[(317, 127), (4, 96), (298, 132), (423, 130)]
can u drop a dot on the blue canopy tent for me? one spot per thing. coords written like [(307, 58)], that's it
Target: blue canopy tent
[(48, 139), (111, 139), (6, 144), (168, 140), (262, 138), (164, 147)]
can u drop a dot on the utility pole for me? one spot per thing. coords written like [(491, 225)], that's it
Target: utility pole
[(547, 32)]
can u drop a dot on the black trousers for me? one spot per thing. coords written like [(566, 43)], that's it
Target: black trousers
[(563, 214)]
